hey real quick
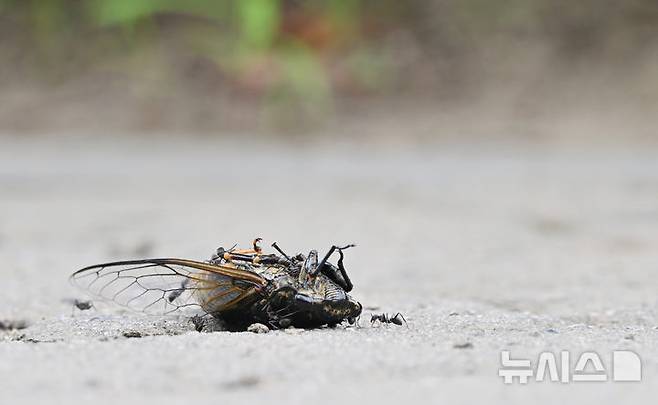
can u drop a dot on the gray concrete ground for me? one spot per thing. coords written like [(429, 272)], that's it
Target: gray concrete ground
[(484, 247)]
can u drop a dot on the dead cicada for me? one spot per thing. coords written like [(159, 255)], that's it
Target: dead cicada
[(240, 287)]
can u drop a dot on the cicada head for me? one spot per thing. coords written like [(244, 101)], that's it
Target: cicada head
[(355, 314)]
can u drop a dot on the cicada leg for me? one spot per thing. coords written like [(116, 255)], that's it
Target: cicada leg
[(309, 268), (336, 274), (278, 249), (278, 308), (255, 250)]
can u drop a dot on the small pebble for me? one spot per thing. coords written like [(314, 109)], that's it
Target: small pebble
[(466, 345), (83, 305), (132, 334), (258, 328)]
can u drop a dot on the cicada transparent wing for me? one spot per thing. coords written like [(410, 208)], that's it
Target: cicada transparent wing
[(163, 286)]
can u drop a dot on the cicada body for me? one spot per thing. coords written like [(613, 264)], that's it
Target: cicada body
[(240, 287)]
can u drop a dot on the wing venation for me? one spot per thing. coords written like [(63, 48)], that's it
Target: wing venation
[(168, 285)]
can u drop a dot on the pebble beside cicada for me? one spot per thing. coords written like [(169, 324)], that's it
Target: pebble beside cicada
[(240, 287)]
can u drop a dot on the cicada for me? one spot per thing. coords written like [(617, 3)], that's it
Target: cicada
[(237, 286)]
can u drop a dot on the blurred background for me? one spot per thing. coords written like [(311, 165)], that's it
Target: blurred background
[(385, 69)]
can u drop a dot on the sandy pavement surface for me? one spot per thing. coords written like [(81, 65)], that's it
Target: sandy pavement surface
[(483, 248)]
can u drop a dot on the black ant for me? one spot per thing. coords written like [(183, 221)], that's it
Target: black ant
[(385, 318)]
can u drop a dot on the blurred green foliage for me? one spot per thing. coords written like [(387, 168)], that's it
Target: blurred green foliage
[(280, 51), (292, 56)]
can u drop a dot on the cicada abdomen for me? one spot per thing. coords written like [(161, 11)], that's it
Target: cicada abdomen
[(218, 294)]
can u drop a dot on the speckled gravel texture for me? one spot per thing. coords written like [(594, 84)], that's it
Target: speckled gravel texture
[(483, 247)]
